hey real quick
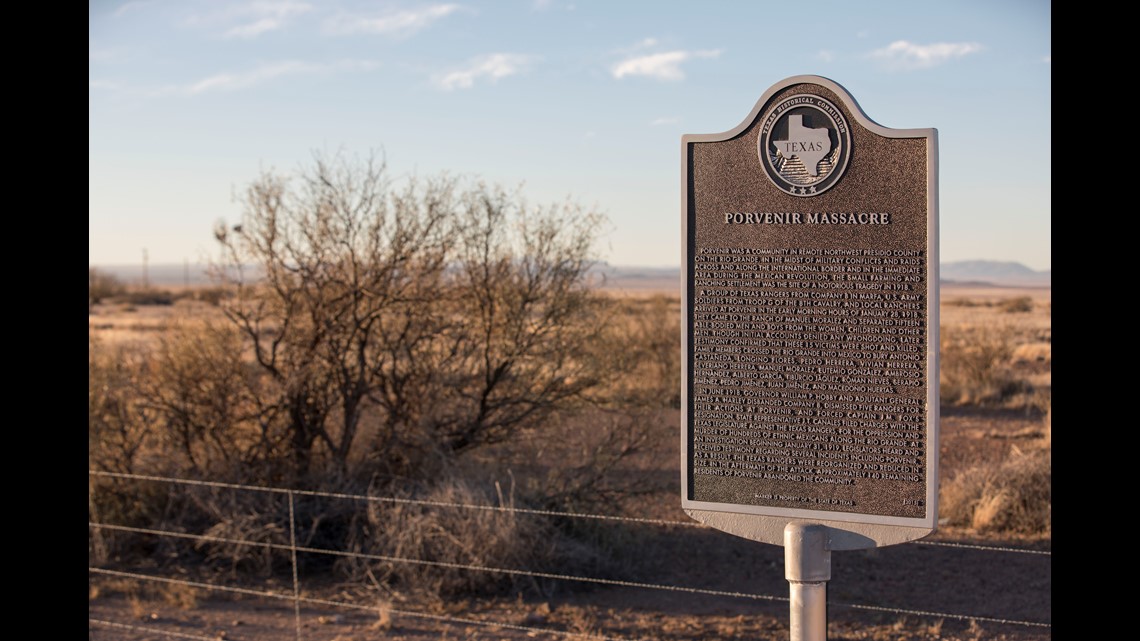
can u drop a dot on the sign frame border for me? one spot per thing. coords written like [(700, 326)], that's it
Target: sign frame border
[(847, 530)]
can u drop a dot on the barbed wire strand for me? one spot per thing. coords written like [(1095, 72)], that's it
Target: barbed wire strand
[(616, 582), (392, 499), (974, 546), (422, 615), (496, 508), (150, 630), (296, 584), (960, 617), (446, 564)]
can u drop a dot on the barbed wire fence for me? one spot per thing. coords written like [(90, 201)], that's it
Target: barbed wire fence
[(99, 528)]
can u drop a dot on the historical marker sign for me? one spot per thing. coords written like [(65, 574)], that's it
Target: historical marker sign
[(810, 321)]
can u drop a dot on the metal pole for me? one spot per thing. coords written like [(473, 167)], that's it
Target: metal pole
[(807, 566)]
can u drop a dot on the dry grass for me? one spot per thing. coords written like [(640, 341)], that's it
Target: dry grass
[(383, 621), (1014, 496), (257, 532), (995, 351), (450, 540), (975, 366), (143, 598), (117, 323), (1016, 305), (645, 335)]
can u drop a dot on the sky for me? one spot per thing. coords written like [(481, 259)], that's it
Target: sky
[(190, 101)]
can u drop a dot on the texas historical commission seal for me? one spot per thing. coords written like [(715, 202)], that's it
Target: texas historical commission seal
[(804, 145)]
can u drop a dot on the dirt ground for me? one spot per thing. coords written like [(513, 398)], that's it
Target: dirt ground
[(955, 585), (934, 589)]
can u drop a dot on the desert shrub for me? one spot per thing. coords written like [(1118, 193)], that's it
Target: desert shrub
[(247, 531), (1014, 496), (121, 439), (975, 366), (450, 314), (128, 502), (119, 423), (185, 405), (587, 461), (961, 302), (119, 427), (147, 297), (1020, 304), (423, 526), (381, 337), (209, 295), (178, 409), (202, 391), (102, 285)]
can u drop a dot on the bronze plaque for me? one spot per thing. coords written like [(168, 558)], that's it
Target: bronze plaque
[(810, 317)]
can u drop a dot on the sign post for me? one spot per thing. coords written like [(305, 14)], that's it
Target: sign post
[(810, 331)]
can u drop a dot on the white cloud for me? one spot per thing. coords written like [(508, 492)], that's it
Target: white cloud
[(825, 56), (127, 7), (663, 66), (238, 80), (254, 29), (493, 66), (251, 19), (1047, 59), (905, 55), (548, 5), (400, 23), (230, 81), (268, 16), (664, 121)]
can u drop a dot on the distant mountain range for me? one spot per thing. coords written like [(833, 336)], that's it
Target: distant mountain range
[(965, 272), (994, 272)]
